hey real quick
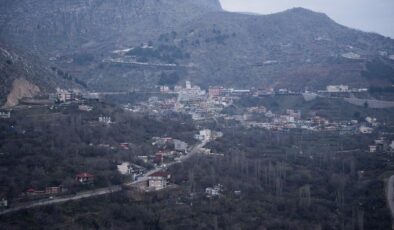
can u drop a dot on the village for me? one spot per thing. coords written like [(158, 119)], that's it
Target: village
[(204, 106), (150, 172), (146, 172)]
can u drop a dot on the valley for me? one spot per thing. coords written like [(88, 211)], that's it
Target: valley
[(177, 114)]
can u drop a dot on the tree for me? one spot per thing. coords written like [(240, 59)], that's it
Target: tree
[(169, 79)]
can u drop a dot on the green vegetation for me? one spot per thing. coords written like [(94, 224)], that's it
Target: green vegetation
[(378, 70), (67, 76), (335, 109), (169, 79), (287, 181), (83, 58), (165, 53), (42, 147)]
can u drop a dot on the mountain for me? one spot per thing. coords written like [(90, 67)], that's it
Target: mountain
[(295, 49), (23, 75), (54, 27), (120, 45)]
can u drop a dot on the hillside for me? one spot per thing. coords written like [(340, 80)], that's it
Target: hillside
[(23, 75), (273, 50), (53, 28), (120, 45), (294, 49)]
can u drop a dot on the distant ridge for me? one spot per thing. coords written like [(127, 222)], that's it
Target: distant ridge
[(294, 49)]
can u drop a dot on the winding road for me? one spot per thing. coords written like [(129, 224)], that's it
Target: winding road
[(97, 192), (78, 196), (196, 149)]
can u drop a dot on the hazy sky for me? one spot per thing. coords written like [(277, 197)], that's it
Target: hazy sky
[(367, 15)]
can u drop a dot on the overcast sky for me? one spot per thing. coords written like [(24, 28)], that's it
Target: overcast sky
[(367, 15)]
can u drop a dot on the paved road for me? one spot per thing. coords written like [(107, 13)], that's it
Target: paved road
[(196, 149), (98, 192), (79, 196), (390, 195)]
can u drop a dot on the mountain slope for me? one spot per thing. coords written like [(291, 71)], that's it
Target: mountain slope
[(271, 50), (297, 48), (50, 27), (23, 75), (99, 41)]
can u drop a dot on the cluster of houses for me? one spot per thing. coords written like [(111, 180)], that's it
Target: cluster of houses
[(154, 106), (343, 89), (72, 95), (168, 150), (202, 105), (133, 170), (81, 178), (63, 95), (205, 105), (259, 117), (191, 100), (207, 135)]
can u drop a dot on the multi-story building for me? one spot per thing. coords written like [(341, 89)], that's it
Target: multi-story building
[(158, 180)]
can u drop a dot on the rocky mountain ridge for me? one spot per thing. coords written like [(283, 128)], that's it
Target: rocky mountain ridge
[(120, 45)]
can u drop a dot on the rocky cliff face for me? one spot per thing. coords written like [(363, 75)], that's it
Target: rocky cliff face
[(21, 88), (24, 75)]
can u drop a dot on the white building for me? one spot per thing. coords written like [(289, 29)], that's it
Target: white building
[(205, 135), (337, 88), (5, 114), (371, 120), (351, 55), (85, 108), (188, 85), (365, 130), (372, 148), (158, 180), (269, 114), (191, 94), (180, 145), (213, 192), (293, 113), (164, 89), (125, 168), (64, 95), (105, 120)]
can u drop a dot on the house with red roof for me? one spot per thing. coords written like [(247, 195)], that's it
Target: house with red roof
[(85, 178), (53, 190), (159, 158), (34, 192)]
